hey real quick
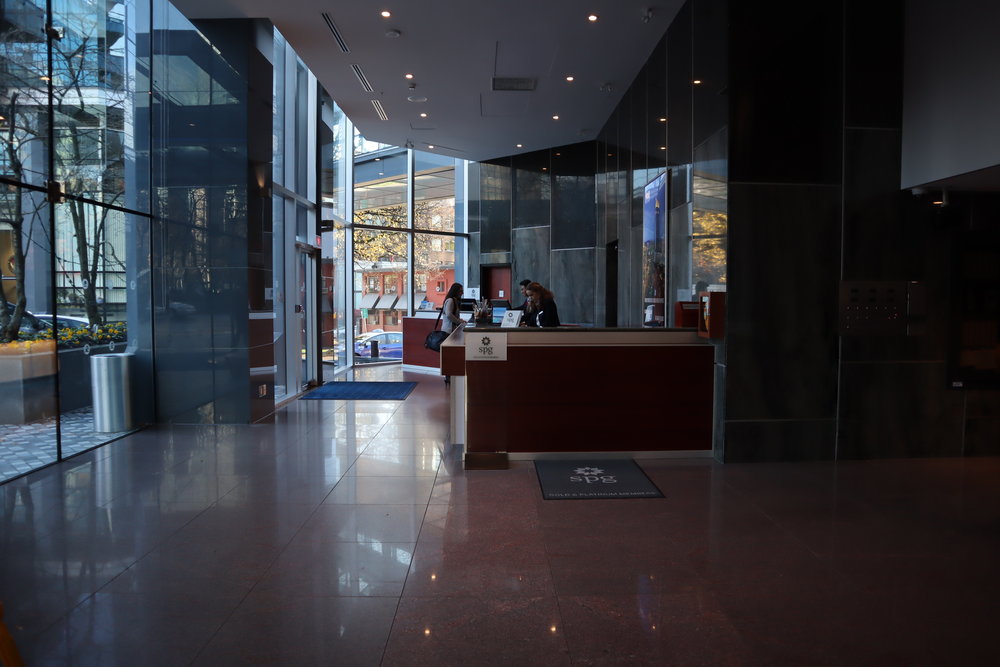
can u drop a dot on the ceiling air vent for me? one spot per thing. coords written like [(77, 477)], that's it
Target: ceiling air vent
[(336, 33), (514, 83), (379, 110), (358, 72)]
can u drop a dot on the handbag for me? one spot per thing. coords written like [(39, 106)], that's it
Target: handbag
[(435, 337)]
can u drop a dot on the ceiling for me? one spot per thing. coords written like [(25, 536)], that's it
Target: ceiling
[(455, 49)]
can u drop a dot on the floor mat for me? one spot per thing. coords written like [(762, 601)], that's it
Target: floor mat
[(596, 479), (362, 391)]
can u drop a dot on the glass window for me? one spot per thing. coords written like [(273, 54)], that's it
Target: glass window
[(380, 193), (378, 256), (278, 128)]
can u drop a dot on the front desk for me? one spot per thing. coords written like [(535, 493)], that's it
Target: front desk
[(415, 330), (579, 390)]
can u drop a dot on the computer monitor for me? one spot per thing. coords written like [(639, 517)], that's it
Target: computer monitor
[(498, 313)]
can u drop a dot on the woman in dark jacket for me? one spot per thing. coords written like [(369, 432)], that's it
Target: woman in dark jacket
[(543, 306)]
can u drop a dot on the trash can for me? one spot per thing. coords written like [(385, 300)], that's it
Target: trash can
[(111, 388)]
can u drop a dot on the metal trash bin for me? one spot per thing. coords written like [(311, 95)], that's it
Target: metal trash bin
[(111, 389)]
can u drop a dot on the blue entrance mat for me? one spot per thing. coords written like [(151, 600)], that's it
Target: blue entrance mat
[(362, 391), (595, 479)]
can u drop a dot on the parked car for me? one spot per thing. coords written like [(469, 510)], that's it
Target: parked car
[(390, 345)]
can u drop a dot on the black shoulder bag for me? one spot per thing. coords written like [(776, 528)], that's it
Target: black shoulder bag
[(435, 337)]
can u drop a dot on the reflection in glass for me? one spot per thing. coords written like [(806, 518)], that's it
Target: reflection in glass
[(380, 199), (653, 247), (710, 217), (333, 329), (27, 350)]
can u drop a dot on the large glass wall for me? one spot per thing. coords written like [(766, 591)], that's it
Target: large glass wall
[(409, 224), (74, 221), (434, 211)]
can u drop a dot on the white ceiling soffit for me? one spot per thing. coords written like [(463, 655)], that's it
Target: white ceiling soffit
[(456, 49)]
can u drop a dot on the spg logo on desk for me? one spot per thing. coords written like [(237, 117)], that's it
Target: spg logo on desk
[(491, 347)]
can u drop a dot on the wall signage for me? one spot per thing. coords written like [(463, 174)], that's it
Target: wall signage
[(485, 346)]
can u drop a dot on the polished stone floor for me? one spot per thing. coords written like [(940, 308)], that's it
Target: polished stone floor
[(27, 447), (348, 534)]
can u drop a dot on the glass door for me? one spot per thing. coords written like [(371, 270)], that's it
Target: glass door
[(305, 314)]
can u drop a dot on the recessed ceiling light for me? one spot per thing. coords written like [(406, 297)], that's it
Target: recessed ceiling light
[(569, 78), (697, 82), (545, 168), (555, 118), (663, 148), (592, 18), (663, 120), (377, 159), (558, 154), (519, 146), (386, 13), (407, 76), (417, 98), (423, 115), (430, 145)]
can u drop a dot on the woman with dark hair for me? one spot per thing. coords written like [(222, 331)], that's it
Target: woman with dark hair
[(449, 313), (543, 306), (449, 310)]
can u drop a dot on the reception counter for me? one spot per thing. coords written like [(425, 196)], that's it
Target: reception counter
[(521, 393)]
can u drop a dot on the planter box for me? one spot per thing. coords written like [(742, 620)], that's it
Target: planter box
[(27, 382)]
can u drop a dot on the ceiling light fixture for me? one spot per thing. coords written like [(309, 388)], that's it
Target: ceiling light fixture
[(555, 118), (423, 115), (519, 146), (430, 145), (569, 78), (407, 76), (417, 98), (593, 18), (386, 13), (663, 148), (663, 120), (392, 34), (697, 82)]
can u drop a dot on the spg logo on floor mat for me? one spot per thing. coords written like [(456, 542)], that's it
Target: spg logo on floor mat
[(592, 475)]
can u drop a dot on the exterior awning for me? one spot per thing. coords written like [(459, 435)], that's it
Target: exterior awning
[(369, 300), (386, 302), (403, 303)]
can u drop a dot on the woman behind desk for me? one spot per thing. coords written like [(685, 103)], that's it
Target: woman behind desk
[(545, 313)]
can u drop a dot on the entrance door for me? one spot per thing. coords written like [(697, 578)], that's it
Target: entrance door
[(305, 315)]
